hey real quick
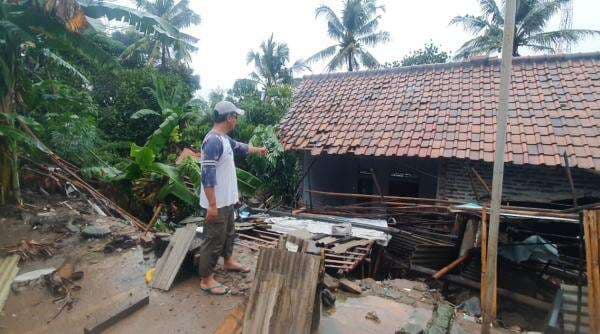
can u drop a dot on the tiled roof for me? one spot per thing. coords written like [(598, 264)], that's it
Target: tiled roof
[(448, 111)]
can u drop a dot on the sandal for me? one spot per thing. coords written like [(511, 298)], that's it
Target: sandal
[(212, 292), (240, 269)]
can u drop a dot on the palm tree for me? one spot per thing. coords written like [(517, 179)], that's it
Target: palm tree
[(270, 63), (531, 19), (179, 16), (356, 29)]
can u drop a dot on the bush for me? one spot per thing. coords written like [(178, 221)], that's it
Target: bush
[(122, 93)]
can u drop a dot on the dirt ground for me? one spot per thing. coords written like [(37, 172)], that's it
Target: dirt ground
[(109, 280)]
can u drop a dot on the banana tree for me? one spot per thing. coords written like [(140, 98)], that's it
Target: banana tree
[(30, 33), (164, 180), (175, 109)]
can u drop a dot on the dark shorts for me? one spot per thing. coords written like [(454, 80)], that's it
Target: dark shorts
[(219, 235)]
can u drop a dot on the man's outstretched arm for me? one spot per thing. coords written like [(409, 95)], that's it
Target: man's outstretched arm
[(243, 149)]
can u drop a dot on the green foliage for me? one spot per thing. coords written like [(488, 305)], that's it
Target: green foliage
[(430, 54), (270, 64), (121, 98), (155, 48), (280, 168), (531, 19), (355, 30), (144, 165), (68, 117)]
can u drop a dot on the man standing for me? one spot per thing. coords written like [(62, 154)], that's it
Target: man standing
[(219, 194)]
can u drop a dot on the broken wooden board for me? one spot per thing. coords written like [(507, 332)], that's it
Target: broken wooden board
[(8, 271), (331, 282), (283, 294), (137, 299), (169, 263), (350, 286), (233, 323), (326, 240), (343, 248), (292, 243)]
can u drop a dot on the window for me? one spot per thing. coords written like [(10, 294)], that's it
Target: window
[(365, 182), (402, 183)]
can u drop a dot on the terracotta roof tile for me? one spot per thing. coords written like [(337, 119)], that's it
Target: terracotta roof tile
[(448, 110)]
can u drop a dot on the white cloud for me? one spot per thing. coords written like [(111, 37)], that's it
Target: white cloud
[(230, 28)]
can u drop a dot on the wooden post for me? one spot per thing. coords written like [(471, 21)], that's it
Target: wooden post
[(570, 177), (501, 117), (592, 250)]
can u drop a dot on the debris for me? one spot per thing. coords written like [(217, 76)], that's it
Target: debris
[(372, 316), (331, 282), (31, 277), (72, 228), (149, 276), (119, 242), (50, 219), (95, 231), (471, 306), (342, 248), (283, 294), (341, 230), (534, 247), (234, 322), (328, 297), (136, 300), (350, 286), (28, 250), (442, 319), (527, 300), (147, 239), (168, 265), (453, 265), (8, 270)]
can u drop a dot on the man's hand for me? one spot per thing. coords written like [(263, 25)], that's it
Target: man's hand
[(212, 213), (261, 151)]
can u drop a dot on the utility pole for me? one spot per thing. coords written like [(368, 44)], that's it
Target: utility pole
[(492, 243)]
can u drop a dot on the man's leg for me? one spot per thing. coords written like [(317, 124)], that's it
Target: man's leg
[(210, 250), (230, 263)]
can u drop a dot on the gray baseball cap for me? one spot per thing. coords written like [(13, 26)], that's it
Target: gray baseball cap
[(226, 107)]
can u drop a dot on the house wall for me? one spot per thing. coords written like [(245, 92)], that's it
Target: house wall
[(445, 179), (340, 173), (522, 183)]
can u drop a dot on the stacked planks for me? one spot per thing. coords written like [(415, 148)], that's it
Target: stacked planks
[(283, 294)]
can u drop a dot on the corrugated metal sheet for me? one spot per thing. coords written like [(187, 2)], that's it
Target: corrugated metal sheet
[(8, 272), (569, 308)]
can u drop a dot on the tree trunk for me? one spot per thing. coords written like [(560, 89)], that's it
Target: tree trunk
[(163, 58), (350, 63), (10, 162)]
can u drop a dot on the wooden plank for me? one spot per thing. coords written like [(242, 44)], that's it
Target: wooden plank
[(234, 322), (350, 286), (327, 240), (331, 282), (342, 248), (137, 299), (592, 252), (292, 243), (168, 265), (8, 271), (283, 294), (451, 266)]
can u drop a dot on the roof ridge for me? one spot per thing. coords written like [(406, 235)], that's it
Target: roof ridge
[(471, 62)]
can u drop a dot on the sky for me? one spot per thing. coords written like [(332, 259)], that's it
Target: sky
[(231, 28)]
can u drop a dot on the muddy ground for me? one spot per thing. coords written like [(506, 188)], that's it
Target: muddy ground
[(109, 279)]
